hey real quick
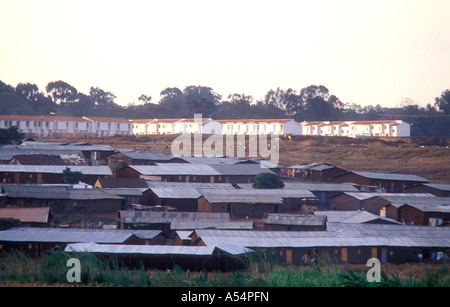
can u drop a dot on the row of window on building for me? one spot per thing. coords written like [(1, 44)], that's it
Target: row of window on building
[(54, 126)]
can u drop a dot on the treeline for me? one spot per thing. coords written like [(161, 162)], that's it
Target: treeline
[(310, 103)]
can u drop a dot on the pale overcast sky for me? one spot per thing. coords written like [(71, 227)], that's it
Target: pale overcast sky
[(364, 51)]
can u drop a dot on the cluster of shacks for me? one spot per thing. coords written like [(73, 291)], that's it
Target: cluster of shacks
[(202, 213)]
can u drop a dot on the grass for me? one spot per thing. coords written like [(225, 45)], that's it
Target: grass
[(16, 268)]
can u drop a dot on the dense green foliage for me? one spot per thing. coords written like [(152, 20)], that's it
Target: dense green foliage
[(267, 181), (262, 271), (310, 103)]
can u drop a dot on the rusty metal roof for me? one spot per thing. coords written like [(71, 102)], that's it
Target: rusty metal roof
[(36, 215)]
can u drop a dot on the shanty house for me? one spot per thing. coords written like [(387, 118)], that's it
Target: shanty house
[(125, 157), (427, 212), (192, 258), (314, 171), (49, 173), (352, 201), (35, 241), (194, 172), (342, 242), (240, 205), (392, 183), (437, 189), (32, 217), (63, 199)]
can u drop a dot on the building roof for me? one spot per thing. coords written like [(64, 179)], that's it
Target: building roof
[(313, 166), (39, 159), (243, 198), (177, 224), (155, 249), (168, 217), (256, 121), (73, 235), (161, 169), (313, 187), (122, 182), (37, 191), (368, 195), (142, 155), (295, 219), (338, 234), (26, 215), (438, 186), (389, 176), (100, 170), (106, 119)]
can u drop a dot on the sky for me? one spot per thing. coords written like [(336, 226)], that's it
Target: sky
[(367, 52)]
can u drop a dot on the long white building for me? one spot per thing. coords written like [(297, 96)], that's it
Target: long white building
[(60, 126), (380, 128)]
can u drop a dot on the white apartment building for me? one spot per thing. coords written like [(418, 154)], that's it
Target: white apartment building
[(47, 126), (382, 128), (107, 126), (175, 126), (260, 126)]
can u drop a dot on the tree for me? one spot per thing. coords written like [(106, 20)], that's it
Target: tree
[(200, 100), (443, 102), (27, 91), (11, 135), (71, 177), (145, 99), (267, 181), (101, 99), (283, 99), (62, 92)]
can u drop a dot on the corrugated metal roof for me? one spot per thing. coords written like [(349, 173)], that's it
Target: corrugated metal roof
[(313, 187), (188, 185), (439, 186), (167, 217), (102, 170), (37, 191), (124, 191), (199, 169), (154, 249), (338, 234), (391, 176), (36, 215), (183, 224), (295, 219), (243, 198), (176, 193), (72, 235), (250, 191), (364, 217), (366, 195), (337, 216), (142, 155)]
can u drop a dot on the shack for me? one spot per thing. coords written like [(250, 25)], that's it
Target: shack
[(391, 182), (314, 171), (35, 241), (437, 189), (49, 173), (63, 199), (32, 217), (342, 242), (192, 258), (196, 172)]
